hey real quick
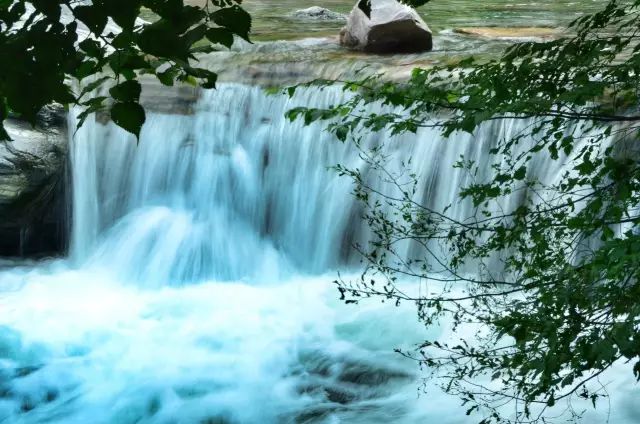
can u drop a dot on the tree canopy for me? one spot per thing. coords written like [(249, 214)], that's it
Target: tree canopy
[(553, 281), (64, 51)]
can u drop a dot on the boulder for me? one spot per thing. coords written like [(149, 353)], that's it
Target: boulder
[(32, 190), (391, 27), (317, 13)]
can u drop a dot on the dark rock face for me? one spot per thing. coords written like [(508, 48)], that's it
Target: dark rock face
[(387, 26), (33, 203), (343, 386)]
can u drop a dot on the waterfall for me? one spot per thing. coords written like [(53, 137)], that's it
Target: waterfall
[(198, 284), (231, 192), (238, 192)]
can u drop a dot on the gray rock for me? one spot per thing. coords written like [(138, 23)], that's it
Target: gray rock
[(391, 28), (177, 100), (32, 173), (317, 13)]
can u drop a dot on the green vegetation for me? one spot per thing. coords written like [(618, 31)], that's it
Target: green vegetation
[(552, 281), (47, 47)]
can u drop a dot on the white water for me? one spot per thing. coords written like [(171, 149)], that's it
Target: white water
[(198, 287)]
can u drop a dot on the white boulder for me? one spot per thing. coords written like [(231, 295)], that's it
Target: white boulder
[(392, 27)]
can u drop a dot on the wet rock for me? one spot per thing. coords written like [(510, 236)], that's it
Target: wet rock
[(317, 13), (370, 375), (386, 27), (340, 395), (27, 405), (26, 371), (177, 100), (510, 33), (32, 186), (51, 395)]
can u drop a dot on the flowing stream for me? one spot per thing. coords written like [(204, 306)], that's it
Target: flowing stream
[(198, 287)]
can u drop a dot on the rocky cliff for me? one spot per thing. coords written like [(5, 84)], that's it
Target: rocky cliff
[(32, 194)]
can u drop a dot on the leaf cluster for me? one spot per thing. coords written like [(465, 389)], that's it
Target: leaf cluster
[(48, 48)]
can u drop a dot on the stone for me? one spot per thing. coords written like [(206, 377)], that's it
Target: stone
[(32, 185), (392, 27), (510, 33), (179, 99), (317, 13)]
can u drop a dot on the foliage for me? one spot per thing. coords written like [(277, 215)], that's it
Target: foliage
[(553, 279), (47, 47), (365, 5)]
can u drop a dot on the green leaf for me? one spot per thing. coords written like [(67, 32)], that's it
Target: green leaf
[(342, 132), (520, 174), (196, 34), (93, 105), (130, 116), (128, 91), (235, 19), (551, 401), (93, 85), (210, 81), (161, 39), (85, 69), (93, 17), (220, 36), (168, 77), (91, 47), (127, 63), (122, 40), (123, 12), (49, 8)]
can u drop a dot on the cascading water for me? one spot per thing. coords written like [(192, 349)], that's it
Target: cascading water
[(232, 192), (238, 192), (198, 285)]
